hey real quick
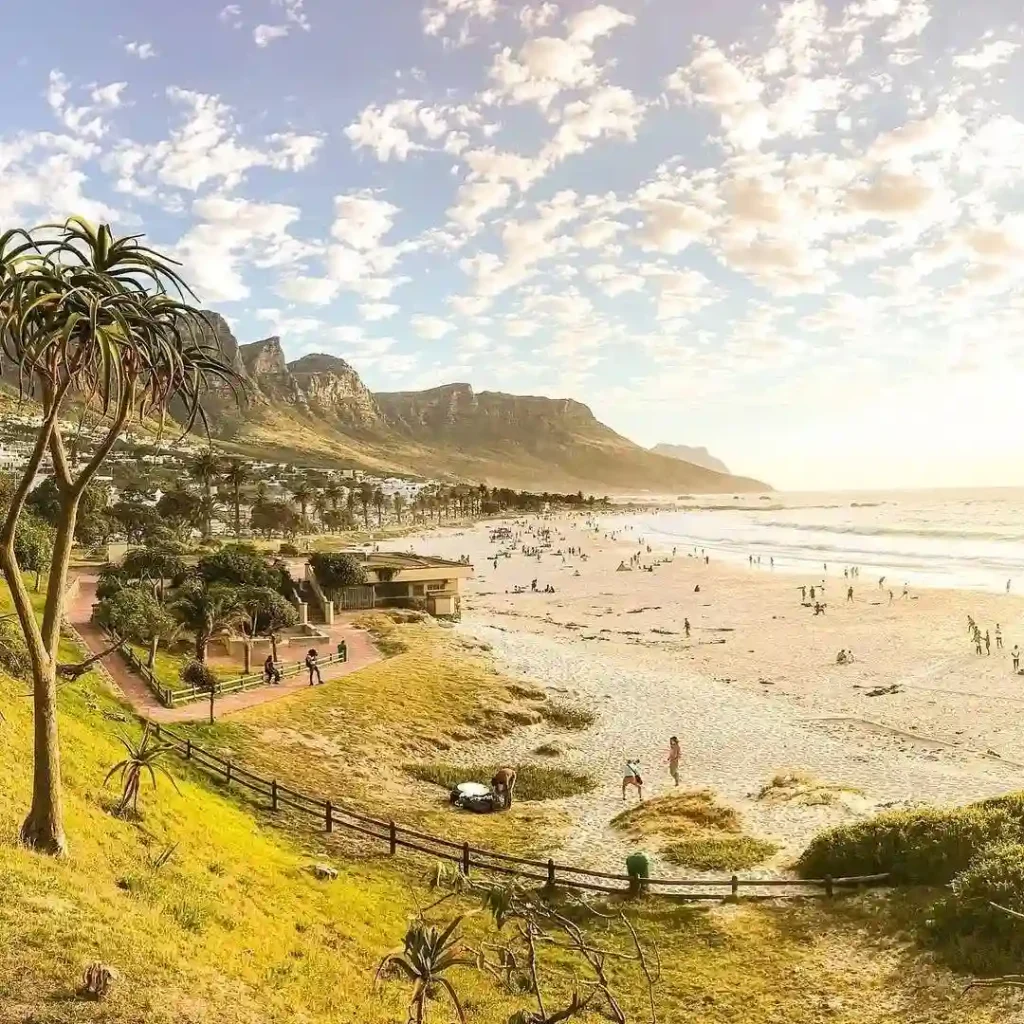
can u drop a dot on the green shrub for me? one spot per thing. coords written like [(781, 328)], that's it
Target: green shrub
[(287, 549), (711, 852), (14, 657), (927, 846), (533, 782), (568, 716)]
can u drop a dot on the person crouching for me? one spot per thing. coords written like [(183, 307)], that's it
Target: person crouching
[(503, 785)]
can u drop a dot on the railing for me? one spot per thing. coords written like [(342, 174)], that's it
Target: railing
[(171, 697), (335, 815)]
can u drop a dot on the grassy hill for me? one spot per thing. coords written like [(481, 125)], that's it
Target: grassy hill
[(234, 929)]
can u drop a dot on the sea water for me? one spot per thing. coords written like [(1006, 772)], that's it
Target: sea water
[(964, 539)]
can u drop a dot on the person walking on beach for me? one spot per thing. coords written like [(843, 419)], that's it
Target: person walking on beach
[(313, 666), (970, 625), (686, 628), (849, 594), (890, 597), (988, 643), (803, 594), (631, 777), (881, 580), (977, 640), (1008, 586), (1015, 655), (999, 638), (812, 593), (673, 759)]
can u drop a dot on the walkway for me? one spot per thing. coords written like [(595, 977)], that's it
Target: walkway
[(361, 652)]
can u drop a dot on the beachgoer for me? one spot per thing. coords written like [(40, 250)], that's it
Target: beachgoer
[(999, 637), (803, 593), (977, 642), (988, 643), (313, 666), (849, 594), (812, 593), (631, 777), (271, 673), (1008, 586), (686, 628), (906, 592), (696, 589), (673, 758), (1015, 654), (881, 580), (503, 785)]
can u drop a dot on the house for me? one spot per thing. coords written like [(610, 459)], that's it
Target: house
[(408, 581)]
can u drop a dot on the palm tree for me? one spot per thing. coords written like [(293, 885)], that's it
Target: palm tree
[(334, 492), (350, 504), (236, 475), (380, 502), (206, 612), (320, 506), (85, 313), (427, 953), (301, 494), (365, 500), (400, 502), (204, 469), (146, 756)]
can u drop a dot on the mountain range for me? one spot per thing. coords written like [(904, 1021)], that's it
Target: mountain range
[(695, 456), (316, 409)]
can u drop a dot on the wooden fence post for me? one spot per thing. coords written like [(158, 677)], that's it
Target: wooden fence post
[(735, 882), (392, 838), (465, 859), (829, 891), (551, 872), (329, 820), (156, 729), (273, 795), (188, 750)]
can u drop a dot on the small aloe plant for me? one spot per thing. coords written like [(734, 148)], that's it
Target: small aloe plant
[(144, 757), (427, 953)]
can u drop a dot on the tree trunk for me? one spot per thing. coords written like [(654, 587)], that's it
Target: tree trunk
[(201, 643), (43, 829), (273, 645), (151, 659), (213, 695), (248, 658), (238, 515)]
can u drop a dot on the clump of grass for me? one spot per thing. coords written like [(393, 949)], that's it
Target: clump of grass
[(534, 782), (568, 716), (803, 788), (550, 749), (710, 852), (682, 812)]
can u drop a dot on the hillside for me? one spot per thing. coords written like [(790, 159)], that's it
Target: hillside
[(695, 456), (317, 407)]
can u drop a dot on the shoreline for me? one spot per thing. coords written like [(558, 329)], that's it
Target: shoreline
[(755, 690)]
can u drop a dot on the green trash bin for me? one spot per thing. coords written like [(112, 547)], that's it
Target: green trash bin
[(638, 867), (342, 650)]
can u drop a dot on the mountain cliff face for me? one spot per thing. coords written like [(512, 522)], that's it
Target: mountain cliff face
[(696, 456), (318, 408)]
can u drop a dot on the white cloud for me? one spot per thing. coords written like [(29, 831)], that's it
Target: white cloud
[(475, 200), (595, 22), (317, 291), (387, 130), (374, 311), (86, 120), (607, 111), (913, 17), (144, 51), (436, 18), (264, 35), (361, 221), (431, 328), (999, 51), (230, 15), (670, 226), (534, 17)]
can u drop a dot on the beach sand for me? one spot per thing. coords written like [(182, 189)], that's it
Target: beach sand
[(755, 690)]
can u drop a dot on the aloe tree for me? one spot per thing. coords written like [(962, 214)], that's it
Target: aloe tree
[(236, 475), (86, 316)]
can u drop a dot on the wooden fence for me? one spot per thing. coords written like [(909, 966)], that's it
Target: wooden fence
[(171, 697), (336, 816)]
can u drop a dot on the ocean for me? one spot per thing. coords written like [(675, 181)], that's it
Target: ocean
[(969, 539)]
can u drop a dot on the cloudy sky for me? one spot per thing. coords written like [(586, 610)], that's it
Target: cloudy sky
[(790, 231)]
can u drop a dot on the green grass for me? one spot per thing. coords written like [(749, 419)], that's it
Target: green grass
[(167, 666), (682, 812), (568, 716), (803, 788), (533, 782), (709, 852), (550, 749)]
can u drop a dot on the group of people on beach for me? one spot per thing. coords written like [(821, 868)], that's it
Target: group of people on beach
[(984, 640), (632, 778)]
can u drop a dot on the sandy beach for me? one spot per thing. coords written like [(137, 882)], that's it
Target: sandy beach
[(917, 716)]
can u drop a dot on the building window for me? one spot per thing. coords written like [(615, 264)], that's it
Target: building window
[(434, 587), (417, 590)]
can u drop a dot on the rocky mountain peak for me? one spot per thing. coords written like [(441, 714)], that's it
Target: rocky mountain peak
[(264, 357)]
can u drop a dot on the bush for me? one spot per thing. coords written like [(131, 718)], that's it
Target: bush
[(533, 782), (14, 658), (710, 852), (927, 846), (196, 673), (289, 550), (335, 570), (679, 813), (568, 716)]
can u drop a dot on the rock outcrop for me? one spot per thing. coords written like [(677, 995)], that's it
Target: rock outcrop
[(695, 456)]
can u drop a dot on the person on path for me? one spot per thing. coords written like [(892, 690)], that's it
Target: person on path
[(999, 638), (631, 777), (1015, 654), (271, 673), (313, 665), (673, 759), (503, 785)]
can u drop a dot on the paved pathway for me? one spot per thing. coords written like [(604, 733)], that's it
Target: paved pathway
[(361, 652)]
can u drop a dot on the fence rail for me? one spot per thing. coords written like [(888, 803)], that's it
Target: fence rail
[(335, 815), (170, 697)]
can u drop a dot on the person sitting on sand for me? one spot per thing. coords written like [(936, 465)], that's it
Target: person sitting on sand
[(673, 758), (271, 673), (632, 777), (503, 785)]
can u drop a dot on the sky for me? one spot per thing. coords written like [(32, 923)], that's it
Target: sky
[(791, 232)]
